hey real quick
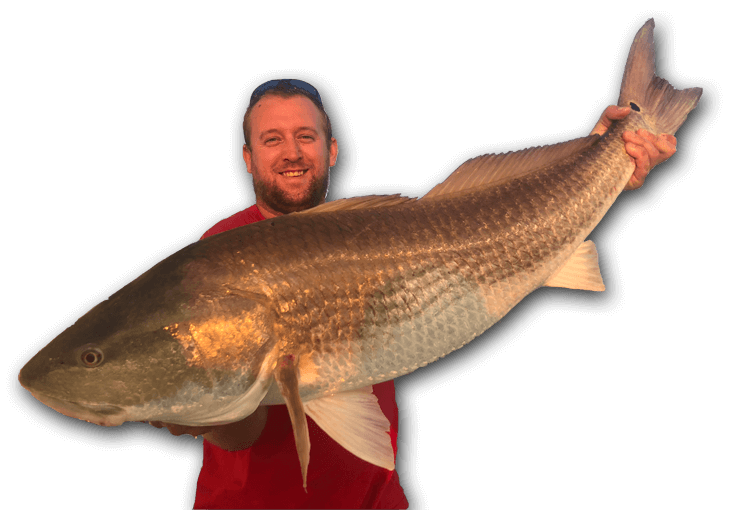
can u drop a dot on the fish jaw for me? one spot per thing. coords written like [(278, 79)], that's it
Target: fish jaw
[(100, 414), (194, 404)]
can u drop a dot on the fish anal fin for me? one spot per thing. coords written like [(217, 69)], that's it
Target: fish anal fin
[(581, 271), (287, 377), (355, 421)]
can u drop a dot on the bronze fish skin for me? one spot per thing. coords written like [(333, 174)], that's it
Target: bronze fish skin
[(351, 293)]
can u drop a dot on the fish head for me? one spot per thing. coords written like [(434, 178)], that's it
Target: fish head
[(105, 375), (159, 349)]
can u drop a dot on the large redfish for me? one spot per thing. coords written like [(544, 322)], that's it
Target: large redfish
[(311, 309)]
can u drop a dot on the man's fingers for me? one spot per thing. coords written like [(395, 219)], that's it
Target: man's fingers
[(641, 155), (667, 146), (631, 138), (653, 145), (610, 114), (634, 183), (647, 150), (178, 430), (642, 162), (660, 148), (640, 151), (615, 112), (647, 135), (649, 142)]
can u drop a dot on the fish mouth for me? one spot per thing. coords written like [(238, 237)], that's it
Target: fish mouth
[(101, 414)]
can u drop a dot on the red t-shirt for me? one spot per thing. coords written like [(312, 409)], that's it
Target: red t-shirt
[(267, 475)]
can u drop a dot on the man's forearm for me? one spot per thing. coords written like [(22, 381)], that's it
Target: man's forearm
[(240, 435)]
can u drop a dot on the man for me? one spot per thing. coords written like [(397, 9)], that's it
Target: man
[(289, 149)]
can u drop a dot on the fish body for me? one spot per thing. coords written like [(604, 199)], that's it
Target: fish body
[(312, 308)]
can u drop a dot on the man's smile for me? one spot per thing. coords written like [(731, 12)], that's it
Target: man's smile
[(294, 173)]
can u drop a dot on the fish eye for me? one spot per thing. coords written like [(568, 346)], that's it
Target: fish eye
[(91, 356)]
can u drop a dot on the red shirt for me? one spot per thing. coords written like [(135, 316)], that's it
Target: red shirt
[(267, 475)]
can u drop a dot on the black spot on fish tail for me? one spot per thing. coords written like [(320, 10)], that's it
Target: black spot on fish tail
[(635, 107)]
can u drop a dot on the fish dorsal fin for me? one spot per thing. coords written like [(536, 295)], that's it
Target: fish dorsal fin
[(499, 168), (355, 421), (367, 202)]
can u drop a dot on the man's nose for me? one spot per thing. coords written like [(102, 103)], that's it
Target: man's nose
[(292, 150)]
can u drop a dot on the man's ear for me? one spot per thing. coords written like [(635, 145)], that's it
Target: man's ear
[(248, 160), (333, 152)]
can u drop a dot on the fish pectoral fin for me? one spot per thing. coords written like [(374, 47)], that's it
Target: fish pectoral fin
[(355, 421), (581, 271), (287, 377)]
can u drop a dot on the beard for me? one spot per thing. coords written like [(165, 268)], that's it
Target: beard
[(281, 201)]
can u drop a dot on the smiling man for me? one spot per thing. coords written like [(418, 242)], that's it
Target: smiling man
[(292, 150), (289, 148)]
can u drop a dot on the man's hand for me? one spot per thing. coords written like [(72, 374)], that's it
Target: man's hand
[(645, 149), (178, 430), (231, 437)]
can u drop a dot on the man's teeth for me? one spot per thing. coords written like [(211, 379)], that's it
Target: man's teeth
[(293, 173)]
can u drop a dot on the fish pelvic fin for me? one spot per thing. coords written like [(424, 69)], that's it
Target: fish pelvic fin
[(663, 107), (287, 377), (355, 421), (581, 271)]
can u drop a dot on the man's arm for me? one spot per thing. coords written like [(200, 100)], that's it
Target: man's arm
[(230, 437), (645, 149)]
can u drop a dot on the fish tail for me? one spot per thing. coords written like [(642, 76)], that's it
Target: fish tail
[(663, 107)]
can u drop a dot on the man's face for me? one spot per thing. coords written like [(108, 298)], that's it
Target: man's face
[(288, 155)]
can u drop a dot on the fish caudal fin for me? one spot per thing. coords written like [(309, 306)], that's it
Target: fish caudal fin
[(663, 107)]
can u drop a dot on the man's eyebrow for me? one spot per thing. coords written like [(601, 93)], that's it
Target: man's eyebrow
[(274, 130)]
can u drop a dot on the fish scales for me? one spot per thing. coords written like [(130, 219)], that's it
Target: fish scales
[(348, 308), (309, 309)]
